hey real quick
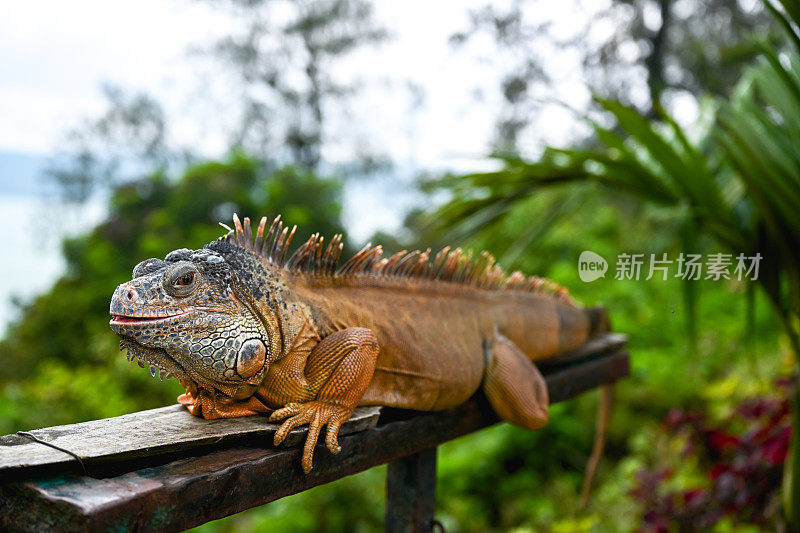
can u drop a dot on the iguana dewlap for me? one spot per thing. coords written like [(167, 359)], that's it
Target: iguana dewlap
[(246, 331)]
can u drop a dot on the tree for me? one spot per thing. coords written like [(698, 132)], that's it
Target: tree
[(740, 185), (128, 140), (283, 60), (654, 50), (281, 89)]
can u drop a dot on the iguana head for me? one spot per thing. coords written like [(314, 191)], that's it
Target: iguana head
[(193, 316)]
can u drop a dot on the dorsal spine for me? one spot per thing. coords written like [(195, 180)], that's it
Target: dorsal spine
[(448, 265)]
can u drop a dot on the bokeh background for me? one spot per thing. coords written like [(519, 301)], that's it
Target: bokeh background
[(531, 129)]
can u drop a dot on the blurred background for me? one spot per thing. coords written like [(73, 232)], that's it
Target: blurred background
[(531, 129)]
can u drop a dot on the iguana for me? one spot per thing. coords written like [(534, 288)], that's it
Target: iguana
[(246, 331)]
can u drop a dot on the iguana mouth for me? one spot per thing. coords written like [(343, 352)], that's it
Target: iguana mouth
[(120, 319), (165, 366), (157, 359), (127, 319)]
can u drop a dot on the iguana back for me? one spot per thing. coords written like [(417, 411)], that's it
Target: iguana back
[(433, 333)]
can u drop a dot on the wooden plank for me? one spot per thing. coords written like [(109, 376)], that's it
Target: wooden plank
[(147, 433), (594, 347), (194, 490), (411, 493), (566, 383)]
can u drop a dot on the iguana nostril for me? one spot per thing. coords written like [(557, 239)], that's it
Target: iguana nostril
[(131, 296)]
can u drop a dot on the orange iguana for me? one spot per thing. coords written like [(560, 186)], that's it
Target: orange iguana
[(246, 331)]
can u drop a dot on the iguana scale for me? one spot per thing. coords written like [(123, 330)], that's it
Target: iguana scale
[(246, 331)]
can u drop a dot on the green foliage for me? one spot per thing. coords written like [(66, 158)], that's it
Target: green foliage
[(61, 362), (666, 373), (737, 185)]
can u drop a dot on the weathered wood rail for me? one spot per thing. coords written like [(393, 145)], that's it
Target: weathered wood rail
[(165, 470)]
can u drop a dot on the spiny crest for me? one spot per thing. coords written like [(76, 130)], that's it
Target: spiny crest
[(448, 265), (274, 245)]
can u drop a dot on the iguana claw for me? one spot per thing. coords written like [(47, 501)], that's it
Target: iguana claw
[(316, 414)]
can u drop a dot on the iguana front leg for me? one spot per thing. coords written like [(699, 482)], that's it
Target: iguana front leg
[(341, 365), (208, 404)]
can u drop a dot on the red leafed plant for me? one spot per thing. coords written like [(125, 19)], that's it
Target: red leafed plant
[(742, 456)]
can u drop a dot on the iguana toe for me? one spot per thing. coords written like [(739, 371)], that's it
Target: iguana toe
[(316, 414)]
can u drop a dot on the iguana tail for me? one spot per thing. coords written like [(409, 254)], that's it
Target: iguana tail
[(601, 429), (599, 323)]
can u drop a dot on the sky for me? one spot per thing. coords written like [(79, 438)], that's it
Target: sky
[(56, 56)]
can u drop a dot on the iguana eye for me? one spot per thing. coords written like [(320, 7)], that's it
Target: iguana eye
[(180, 280), (186, 279)]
